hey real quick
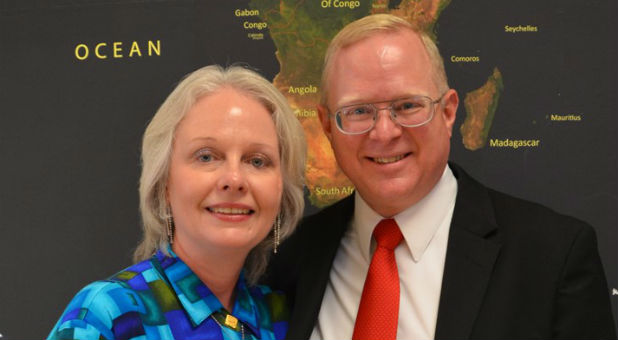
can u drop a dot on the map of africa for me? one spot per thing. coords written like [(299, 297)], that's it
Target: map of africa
[(301, 31)]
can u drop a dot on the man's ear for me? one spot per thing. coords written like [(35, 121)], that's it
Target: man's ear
[(325, 121), (449, 109)]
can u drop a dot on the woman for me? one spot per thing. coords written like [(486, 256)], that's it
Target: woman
[(221, 185)]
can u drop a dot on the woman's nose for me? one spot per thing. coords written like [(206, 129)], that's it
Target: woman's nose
[(232, 179)]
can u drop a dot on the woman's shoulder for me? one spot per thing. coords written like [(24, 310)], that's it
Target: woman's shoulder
[(94, 309), (90, 313), (120, 288), (112, 289), (144, 268)]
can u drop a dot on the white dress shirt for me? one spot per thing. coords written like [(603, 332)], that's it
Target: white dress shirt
[(420, 262)]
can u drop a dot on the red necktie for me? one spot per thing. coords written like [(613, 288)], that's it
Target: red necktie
[(379, 306)]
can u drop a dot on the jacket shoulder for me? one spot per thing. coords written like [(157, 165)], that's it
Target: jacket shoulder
[(519, 215)]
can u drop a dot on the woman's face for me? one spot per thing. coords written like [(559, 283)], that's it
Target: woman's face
[(225, 183)]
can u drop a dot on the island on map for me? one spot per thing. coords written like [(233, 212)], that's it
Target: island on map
[(480, 106)]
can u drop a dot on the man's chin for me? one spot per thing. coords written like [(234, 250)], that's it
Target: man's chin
[(389, 199)]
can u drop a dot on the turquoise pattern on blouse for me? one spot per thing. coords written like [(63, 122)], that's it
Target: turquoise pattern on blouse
[(161, 298)]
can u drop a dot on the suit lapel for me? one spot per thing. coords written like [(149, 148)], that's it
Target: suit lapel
[(471, 254), (317, 261)]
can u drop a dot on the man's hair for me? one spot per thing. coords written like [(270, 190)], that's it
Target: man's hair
[(157, 148), (375, 24)]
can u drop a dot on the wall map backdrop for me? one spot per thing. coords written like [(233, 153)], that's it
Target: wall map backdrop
[(80, 79)]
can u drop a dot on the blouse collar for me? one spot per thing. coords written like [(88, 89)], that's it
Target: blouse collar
[(198, 300)]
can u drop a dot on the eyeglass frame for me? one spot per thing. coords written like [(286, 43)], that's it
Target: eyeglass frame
[(392, 113)]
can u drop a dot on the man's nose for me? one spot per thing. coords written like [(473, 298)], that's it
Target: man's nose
[(385, 127)]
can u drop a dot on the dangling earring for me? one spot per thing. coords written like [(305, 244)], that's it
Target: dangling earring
[(170, 225), (277, 232)]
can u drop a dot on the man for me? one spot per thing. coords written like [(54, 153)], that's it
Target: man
[(422, 250)]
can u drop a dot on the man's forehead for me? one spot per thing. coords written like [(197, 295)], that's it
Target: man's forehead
[(382, 67), (388, 55), (403, 37), (384, 52)]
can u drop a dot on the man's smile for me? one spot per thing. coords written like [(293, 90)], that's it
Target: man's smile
[(388, 160)]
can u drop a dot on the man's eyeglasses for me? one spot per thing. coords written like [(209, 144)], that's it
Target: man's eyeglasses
[(413, 111)]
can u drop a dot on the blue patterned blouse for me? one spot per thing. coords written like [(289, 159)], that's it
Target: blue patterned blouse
[(161, 298)]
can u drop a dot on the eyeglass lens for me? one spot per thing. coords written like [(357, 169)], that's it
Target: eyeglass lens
[(411, 111)]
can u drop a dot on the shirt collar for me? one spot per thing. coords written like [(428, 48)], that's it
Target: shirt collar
[(418, 223), (198, 300)]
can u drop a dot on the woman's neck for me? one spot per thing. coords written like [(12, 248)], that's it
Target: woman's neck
[(218, 271)]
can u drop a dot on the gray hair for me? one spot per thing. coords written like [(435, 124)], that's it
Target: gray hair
[(371, 25), (157, 149)]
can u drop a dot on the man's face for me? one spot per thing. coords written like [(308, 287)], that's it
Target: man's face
[(392, 167)]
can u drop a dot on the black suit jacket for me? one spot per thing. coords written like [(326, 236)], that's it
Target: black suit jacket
[(514, 269)]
